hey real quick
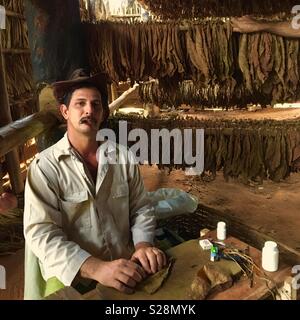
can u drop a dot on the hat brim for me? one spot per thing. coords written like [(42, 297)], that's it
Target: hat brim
[(61, 88)]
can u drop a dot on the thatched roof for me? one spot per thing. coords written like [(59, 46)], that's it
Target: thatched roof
[(178, 9)]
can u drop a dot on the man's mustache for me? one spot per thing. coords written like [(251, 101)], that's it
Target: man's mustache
[(89, 118)]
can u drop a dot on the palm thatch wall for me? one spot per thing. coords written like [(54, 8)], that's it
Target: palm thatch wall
[(15, 47), (22, 102), (18, 67)]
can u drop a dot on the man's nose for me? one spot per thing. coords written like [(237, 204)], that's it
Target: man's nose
[(89, 109)]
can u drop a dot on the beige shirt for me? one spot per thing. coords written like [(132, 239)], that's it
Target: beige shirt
[(68, 218)]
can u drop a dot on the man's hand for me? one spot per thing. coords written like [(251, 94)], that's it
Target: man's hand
[(151, 258), (120, 274), (246, 24)]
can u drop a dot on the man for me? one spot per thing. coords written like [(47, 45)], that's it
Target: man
[(247, 24), (84, 218)]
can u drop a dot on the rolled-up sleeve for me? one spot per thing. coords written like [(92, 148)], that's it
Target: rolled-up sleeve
[(43, 228), (142, 211)]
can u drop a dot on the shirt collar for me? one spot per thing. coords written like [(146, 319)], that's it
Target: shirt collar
[(64, 148)]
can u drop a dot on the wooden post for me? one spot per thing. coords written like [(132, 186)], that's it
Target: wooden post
[(123, 97), (114, 93), (1, 175), (12, 158), (109, 93)]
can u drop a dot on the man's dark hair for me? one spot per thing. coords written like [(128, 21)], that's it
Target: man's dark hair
[(68, 95), (103, 93)]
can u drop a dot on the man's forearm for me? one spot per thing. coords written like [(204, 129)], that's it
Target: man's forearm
[(89, 268), (143, 245)]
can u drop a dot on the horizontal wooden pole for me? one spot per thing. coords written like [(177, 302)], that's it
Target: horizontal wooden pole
[(123, 97), (16, 51), (20, 131), (14, 14)]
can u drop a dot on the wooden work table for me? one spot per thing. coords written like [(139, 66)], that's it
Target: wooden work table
[(190, 257)]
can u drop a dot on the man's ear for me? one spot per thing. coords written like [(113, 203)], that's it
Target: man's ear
[(64, 111)]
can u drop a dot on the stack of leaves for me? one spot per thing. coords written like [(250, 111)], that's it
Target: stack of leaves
[(225, 68), (269, 64), (246, 149), (135, 51), (194, 94), (266, 72), (138, 51)]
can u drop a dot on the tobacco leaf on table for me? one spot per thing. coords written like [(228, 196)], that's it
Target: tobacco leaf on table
[(151, 284)]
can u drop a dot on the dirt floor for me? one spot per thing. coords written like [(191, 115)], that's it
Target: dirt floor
[(272, 208), (14, 265)]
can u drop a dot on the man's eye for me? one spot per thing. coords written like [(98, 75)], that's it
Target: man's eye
[(97, 105), (81, 103)]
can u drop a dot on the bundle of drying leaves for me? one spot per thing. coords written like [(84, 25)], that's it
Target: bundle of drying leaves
[(224, 68), (246, 149)]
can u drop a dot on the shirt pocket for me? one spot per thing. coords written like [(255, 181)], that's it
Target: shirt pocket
[(120, 190), (119, 206), (76, 209)]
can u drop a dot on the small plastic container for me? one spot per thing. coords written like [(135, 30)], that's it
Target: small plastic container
[(214, 253), (270, 256), (221, 230)]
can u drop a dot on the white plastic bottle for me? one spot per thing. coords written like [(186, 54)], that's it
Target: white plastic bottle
[(270, 256), (221, 230)]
